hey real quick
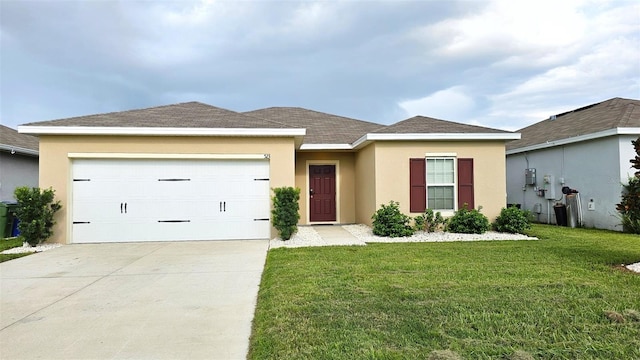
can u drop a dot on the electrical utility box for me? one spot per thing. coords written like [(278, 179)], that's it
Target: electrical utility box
[(529, 176), (549, 187)]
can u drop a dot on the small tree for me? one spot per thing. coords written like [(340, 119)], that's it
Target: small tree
[(629, 207), (285, 213), (635, 162), (35, 211)]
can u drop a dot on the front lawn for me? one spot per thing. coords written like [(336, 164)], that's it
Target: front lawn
[(483, 300), (8, 244)]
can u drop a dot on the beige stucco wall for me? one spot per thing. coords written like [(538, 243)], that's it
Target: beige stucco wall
[(392, 171), (55, 164), (345, 183), (366, 184)]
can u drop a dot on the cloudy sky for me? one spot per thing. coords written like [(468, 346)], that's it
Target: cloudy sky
[(498, 63)]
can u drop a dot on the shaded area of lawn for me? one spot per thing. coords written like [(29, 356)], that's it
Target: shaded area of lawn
[(8, 244), (480, 299)]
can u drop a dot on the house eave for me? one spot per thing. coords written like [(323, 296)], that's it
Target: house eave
[(159, 131), (577, 139), (435, 137)]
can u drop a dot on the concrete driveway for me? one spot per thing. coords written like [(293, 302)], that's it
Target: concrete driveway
[(177, 300)]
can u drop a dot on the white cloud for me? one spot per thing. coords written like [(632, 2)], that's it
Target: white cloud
[(449, 104), (506, 26)]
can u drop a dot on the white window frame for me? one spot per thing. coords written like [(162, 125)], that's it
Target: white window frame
[(443, 156)]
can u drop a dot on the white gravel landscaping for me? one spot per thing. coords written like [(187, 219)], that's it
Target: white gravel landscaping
[(634, 267), (365, 234), (26, 248)]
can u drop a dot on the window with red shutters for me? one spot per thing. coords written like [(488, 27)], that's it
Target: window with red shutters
[(418, 184)]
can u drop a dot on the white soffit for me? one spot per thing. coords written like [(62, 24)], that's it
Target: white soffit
[(576, 139), (326, 147), (159, 131)]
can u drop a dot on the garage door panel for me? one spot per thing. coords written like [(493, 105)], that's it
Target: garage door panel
[(160, 200)]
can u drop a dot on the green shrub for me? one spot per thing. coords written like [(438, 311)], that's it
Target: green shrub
[(513, 220), (429, 221), (468, 222), (285, 213), (629, 207), (389, 221), (35, 211)]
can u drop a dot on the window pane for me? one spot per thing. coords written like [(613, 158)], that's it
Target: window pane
[(440, 197), (440, 171), (431, 172)]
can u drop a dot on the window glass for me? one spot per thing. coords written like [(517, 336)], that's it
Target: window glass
[(440, 183)]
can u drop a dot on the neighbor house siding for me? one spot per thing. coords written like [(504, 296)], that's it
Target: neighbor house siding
[(591, 167), (17, 170), (55, 164), (345, 183), (392, 171)]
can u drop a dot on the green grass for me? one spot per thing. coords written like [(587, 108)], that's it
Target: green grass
[(8, 244), (483, 300)]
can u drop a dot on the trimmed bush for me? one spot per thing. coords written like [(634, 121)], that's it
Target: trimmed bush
[(35, 211), (513, 220), (389, 221), (429, 221), (467, 221), (285, 213)]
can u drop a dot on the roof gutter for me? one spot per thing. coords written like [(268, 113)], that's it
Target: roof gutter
[(159, 131), (576, 139), (19, 150)]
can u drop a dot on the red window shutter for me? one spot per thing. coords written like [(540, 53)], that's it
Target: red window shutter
[(465, 183), (418, 185)]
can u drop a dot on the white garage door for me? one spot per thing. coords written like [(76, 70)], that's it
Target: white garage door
[(118, 200)]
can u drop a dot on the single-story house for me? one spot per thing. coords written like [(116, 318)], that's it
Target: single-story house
[(18, 162), (192, 171), (586, 149)]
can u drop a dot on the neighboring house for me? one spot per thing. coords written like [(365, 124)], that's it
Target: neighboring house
[(192, 171), (586, 149), (18, 162)]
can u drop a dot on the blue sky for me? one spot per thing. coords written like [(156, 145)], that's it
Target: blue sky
[(499, 63)]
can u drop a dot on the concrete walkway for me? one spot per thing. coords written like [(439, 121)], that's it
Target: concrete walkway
[(318, 235), (179, 300)]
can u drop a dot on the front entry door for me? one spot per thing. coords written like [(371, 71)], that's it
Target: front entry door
[(322, 193)]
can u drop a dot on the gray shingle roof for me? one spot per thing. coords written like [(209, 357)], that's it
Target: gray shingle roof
[(609, 114), (184, 115), (321, 128), (11, 138), (427, 125)]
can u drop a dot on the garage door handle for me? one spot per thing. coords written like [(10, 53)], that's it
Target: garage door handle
[(123, 208), (121, 204), (224, 206)]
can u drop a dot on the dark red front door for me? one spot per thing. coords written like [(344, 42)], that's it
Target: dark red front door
[(322, 193)]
